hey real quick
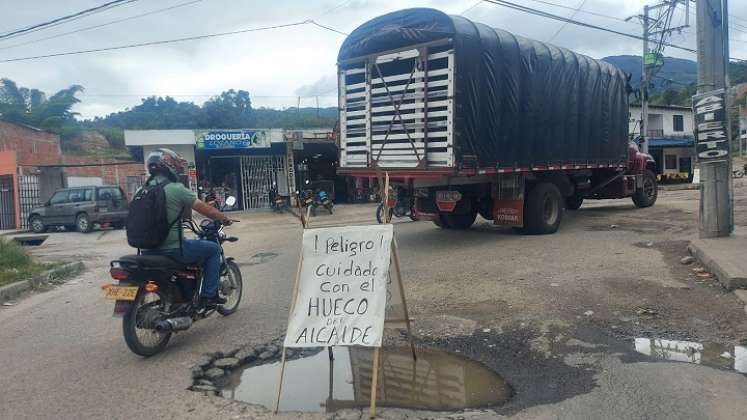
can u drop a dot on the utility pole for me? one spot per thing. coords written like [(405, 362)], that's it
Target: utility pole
[(653, 27), (644, 83), (712, 130)]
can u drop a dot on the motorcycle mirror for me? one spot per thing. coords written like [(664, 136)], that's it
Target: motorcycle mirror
[(230, 201)]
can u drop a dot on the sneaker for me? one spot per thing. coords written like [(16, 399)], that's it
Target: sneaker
[(211, 302)]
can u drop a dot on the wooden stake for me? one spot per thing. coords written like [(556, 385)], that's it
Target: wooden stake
[(374, 383), (290, 313), (395, 254)]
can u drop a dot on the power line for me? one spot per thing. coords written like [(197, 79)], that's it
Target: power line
[(581, 11), (479, 2), (564, 24), (574, 22), (169, 41), (103, 24), (332, 9), (64, 19)]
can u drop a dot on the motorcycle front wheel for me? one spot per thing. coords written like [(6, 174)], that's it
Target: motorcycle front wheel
[(230, 288), (144, 341)]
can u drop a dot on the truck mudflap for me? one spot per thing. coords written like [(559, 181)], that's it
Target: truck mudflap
[(508, 201)]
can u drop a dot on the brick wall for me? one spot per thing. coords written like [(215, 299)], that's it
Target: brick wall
[(32, 146), (111, 174)]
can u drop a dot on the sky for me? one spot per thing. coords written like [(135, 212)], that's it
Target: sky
[(276, 66)]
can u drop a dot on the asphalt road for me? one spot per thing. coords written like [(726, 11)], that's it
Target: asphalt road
[(554, 315)]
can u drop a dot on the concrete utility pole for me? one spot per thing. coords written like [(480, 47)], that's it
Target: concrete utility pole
[(653, 27), (644, 83), (712, 120)]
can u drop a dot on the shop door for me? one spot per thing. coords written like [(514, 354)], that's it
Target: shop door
[(257, 175), (7, 203)]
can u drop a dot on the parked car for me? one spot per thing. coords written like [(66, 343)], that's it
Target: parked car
[(81, 208)]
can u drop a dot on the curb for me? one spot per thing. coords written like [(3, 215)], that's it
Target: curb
[(730, 277), (13, 290)]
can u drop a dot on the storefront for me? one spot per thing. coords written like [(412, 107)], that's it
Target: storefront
[(249, 163), (675, 158), (245, 163)]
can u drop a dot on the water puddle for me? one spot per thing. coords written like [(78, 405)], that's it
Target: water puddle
[(708, 354), (437, 381)]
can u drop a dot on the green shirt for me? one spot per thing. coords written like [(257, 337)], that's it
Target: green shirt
[(178, 198)]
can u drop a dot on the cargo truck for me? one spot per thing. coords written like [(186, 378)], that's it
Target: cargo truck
[(476, 120)]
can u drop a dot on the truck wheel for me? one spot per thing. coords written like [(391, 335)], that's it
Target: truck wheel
[(543, 209), (573, 202), (646, 196), (459, 221)]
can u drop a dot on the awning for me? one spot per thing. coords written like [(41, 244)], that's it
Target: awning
[(670, 142)]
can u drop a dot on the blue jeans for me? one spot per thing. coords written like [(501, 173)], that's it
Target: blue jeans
[(205, 253)]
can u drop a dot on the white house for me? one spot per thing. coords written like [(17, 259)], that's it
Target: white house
[(670, 137)]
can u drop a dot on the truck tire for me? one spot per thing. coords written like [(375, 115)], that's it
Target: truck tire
[(646, 196), (459, 221), (573, 202), (543, 209)]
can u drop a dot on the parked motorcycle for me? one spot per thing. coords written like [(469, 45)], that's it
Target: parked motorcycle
[(278, 203), (324, 200), (157, 296), (739, 173), (400, 203)]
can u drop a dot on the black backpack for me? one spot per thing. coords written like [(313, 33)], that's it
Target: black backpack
[(148, 223)]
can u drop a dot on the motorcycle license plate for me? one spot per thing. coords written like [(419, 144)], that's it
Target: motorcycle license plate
[(120, 292)]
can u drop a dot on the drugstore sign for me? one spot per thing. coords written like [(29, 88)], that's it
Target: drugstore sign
[(232, 139)]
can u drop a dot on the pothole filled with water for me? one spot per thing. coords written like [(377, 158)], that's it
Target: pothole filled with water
[(708, 354), (436, 381)]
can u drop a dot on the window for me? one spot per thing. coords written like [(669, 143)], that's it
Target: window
[(112, 193), (89, 194), (76, 196), (60, 197), (678, 123), (670, 162)]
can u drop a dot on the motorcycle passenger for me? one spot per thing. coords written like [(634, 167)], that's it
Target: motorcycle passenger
[(166, 167)]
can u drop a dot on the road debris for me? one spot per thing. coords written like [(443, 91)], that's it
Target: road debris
[(687, 260), (589, 313), (646, 311)]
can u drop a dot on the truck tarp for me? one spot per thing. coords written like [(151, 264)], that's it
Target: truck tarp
[(519, 101)]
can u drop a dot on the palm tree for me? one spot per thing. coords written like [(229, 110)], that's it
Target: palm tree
[(32, 107)]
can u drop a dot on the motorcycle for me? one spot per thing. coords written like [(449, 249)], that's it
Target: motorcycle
[(400, 204), (323, 200), (157, 296), (277, 202)]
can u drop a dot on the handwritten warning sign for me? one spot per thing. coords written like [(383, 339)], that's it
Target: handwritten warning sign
[(342, 292)]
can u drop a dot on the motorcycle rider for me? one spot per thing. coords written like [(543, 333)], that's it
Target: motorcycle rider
[(166, 167)]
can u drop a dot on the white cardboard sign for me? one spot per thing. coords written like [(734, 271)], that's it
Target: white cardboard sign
[(342, 291)]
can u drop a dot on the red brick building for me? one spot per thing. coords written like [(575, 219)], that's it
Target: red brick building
[(32, 166)]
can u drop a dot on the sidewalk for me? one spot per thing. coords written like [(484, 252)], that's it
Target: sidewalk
[(724, 257)]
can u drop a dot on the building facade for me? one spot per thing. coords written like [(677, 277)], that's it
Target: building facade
[(249, 163), (33, 167), (670, 137)]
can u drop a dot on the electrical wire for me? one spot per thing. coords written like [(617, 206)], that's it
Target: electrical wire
[(479, 2), (332, 9), (170, 41), (540, 13), (564, 24), (64, 19), (152, 12)]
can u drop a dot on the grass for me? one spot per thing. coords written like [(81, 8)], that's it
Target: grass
[(16, 263)]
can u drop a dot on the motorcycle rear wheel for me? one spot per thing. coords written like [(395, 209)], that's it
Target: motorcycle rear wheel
[(141, 341), (380, 213), (231, 288)]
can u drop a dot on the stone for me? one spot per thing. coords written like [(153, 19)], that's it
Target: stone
[(246, 355), (226, 363), (196, 372), (265, 355), (214, 373), (589, 313), (204, 361), (204, 382), (204, 388), (273, 348), (687, 260)]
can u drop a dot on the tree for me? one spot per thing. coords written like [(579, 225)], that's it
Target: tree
[(230, 109), (31, 106)]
